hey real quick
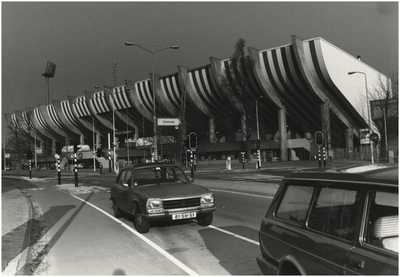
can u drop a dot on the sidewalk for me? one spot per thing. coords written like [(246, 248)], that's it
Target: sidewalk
[(17, 213), (16, 228)]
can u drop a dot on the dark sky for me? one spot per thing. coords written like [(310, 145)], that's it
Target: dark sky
[(84, 38)]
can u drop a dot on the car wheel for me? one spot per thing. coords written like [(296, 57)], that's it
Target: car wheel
[(117, 211), (141, 224), (205, 220)]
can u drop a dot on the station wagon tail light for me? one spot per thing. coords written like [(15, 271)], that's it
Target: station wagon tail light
[(207, 200), (155, 205)]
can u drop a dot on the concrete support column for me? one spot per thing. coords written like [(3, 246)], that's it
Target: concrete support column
[(243, 126), (98, 140), (136, 135), (282, 132), (81, 139), (349, 141), (211, 131), (326, 124)]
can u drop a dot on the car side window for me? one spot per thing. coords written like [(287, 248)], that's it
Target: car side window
[(121, 178), (295, 203), (334, 212), (144, 176), (382, 222), (128, 178)]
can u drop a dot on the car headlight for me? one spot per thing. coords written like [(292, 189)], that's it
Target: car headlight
[(154, 205), (207, 200)]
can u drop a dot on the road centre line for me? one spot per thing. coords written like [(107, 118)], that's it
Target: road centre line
[(146, 240), (235, 235), (242, 193)]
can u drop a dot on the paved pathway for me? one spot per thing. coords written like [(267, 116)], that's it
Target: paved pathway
[(16, 220)]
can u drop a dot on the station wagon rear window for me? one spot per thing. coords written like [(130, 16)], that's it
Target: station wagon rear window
[(295, 203), (335, 212)]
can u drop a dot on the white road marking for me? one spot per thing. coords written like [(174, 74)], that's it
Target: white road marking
[(235, 235), (146, 240), (242, 193)]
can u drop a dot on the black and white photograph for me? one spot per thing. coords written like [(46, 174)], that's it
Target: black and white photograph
[(199, 138)]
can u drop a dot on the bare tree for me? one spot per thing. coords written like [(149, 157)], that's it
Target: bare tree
[(384, 108), (17, 145), (237, 86)]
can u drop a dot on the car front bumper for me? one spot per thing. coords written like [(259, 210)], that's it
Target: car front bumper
[(168, 214)]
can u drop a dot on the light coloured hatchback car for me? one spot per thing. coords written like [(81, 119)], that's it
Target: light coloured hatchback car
[(332, 223)]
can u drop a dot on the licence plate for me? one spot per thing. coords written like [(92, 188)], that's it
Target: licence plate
[(183, 216)]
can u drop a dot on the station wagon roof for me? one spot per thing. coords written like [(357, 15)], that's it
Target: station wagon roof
[(147, 165), (381, 176)]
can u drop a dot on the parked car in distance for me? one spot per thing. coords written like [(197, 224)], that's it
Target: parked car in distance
[(160, 192), (342, 221)]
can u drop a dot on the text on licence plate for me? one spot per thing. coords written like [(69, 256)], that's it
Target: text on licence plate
[(183, 216)]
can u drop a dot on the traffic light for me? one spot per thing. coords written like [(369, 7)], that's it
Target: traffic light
[(76, 148), (185, 142), (258, 144), (374, 137), (29, 155), (58, 148), (319, 138), (192, 141), (98, 152)]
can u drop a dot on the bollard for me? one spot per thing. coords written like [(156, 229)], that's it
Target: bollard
[(228, 163)]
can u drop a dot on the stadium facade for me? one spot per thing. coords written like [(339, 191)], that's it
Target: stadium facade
[(299, 89)]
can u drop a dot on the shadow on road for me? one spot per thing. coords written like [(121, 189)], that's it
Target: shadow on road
[(224, 249)]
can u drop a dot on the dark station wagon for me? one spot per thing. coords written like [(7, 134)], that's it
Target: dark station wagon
[(332, 223), (160, 192)]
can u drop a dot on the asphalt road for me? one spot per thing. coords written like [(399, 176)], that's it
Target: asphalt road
[(83, 238)]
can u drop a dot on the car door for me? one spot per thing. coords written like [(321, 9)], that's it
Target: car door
[(316, 228), (377, 250), (126, 197), (117, 189)]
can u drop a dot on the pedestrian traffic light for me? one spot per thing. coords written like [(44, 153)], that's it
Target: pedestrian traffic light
[(319, 138), (98, 152), (192, 141), (58, 147)]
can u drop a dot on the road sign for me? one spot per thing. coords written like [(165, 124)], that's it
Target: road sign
[(7, 155), (168, 121)]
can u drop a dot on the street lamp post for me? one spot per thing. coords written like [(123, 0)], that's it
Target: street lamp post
[(153, 89), (368, 111), (113, 126), (258, 136)]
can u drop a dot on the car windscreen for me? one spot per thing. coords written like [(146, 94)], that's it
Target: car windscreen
[(159, 174)]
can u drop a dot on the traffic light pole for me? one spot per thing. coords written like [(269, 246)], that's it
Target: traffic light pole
[(191, 165), (76, 170), (30, 169), (59, 170)]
